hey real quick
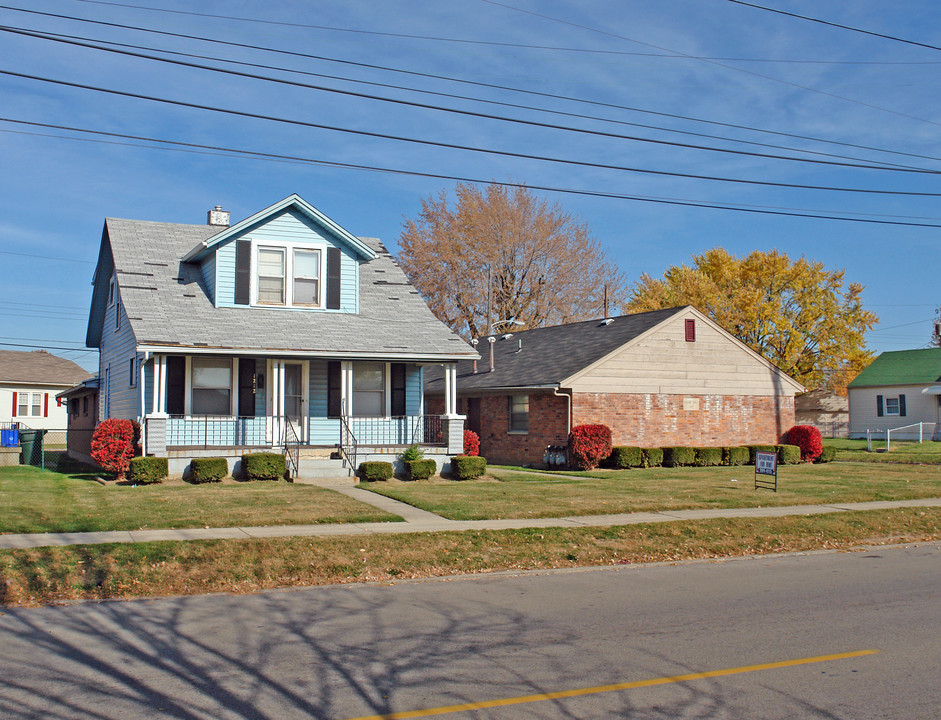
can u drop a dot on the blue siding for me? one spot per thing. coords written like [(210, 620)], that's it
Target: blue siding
[(323, 431), (413, 389), (208, 269), (289, 227), (225, 275)]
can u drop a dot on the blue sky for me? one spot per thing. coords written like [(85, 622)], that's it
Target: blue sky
[(710, 60)]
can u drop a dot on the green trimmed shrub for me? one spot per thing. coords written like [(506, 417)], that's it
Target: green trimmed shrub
[(207, 470), (147, 470), (735, 455), (653, 457), (412, 452), (375, 470), (678, 456), (625, 456), (826, 455), (788, 454), (468, 467), (753, 449), (707, 456), (264, 466), (420, 469)]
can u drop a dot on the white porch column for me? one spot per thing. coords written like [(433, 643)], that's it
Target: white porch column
[(448, 407), (160, 384), (346, 393)]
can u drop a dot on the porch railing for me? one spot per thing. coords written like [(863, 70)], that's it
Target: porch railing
[(348, 444), (208, 431), (406, 430), (292, 448)]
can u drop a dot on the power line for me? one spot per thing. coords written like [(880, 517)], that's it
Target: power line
[(457, 111), (249, 154), (44, 257), (46, 347), (524, 46), (70, 39), (837, 25), (456, 146), (717, 64), (464, 81)]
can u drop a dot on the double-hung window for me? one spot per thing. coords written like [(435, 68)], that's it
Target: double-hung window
[(306, 277), (271, 276), (519, 413), (29, 404), (212, 386), (891, 406), (369, 385)]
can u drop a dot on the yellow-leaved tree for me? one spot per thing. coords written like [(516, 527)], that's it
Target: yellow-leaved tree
[(797, 314), (543, 266)]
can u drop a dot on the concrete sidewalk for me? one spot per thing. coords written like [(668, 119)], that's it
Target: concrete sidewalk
[(417, 521)]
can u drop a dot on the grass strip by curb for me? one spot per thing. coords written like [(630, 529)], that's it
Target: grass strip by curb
[(115, 571)]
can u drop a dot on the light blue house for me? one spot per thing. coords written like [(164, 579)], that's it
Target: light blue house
[(282, 332)]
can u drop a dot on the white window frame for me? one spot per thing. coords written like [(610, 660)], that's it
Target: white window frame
[(132, 372), (386, 388), (112, 290), (29, 405), (289, 249), (898, 405), (233, 387)]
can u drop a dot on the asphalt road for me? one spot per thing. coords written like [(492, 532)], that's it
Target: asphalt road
[(417, 649)]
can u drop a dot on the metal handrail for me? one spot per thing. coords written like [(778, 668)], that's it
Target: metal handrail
[(292, 447), (348, 442)]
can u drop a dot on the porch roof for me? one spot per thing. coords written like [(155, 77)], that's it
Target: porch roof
[(168, 306)]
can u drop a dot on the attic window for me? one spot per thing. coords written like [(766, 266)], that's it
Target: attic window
[(690, 330)]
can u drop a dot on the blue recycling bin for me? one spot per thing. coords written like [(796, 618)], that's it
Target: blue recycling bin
[(9, 438)]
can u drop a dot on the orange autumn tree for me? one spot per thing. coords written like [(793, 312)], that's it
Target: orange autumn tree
[(544, 266), (797, 314)]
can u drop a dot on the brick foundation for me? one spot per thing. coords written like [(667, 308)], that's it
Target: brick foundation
[(661, 420)]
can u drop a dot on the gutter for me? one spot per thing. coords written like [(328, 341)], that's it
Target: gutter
[(568, 414)]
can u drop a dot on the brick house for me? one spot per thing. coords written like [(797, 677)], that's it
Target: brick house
[(665, 377)]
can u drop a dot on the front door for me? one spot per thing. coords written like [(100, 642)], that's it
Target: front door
[(294, 397)]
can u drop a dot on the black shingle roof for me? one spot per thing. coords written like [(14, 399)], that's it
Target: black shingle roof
[(547, 356)]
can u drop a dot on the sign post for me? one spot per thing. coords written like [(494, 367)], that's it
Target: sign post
[(766, 470)]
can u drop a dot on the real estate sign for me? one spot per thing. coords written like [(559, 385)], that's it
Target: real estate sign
[(766, 470)]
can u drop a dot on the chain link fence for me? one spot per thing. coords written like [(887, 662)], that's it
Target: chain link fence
[(56, 450)]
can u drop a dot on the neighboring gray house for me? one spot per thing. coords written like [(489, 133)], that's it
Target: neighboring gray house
[(283, 329), (896, 390)]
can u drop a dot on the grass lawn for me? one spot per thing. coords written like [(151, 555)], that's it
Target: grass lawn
[(522, 495), (35, 501), (53, 574), (903, 451)]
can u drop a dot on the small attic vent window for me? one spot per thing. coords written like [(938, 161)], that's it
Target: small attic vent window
[(690, 330)]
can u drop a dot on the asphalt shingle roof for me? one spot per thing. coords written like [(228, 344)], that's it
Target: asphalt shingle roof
[(40, 368), (167, 304), (902, 367), (547, 356)]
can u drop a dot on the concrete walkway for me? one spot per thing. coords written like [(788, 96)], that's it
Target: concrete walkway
[(417, 521)]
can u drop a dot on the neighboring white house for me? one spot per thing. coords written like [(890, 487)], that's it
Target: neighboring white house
[(898, 389), (29, 383)]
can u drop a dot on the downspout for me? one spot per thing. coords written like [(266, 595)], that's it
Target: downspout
[(568, 414)]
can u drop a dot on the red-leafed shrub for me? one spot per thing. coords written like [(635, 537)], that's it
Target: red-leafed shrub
[(589, 445), (808, 439), (112, 445), (471, 443)]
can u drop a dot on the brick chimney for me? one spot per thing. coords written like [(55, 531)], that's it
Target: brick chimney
[(219, 217)]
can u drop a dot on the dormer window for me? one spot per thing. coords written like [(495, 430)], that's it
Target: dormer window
[(270, 276), (307, 277), (276, 265)]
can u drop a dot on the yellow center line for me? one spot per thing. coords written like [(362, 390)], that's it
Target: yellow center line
[(611, 688)]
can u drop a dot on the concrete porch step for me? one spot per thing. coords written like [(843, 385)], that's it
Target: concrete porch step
[(317, 470)]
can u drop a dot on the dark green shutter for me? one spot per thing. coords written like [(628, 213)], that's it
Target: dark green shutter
[(176, 385), (246, 387), (901, 406), (334, 390), (243, 272), (879, 411), (333, 278), (398, 389)]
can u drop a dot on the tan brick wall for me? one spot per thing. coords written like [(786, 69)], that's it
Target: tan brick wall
[(653, 420)]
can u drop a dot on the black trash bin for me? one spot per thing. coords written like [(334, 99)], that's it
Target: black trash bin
[(31, 447)]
